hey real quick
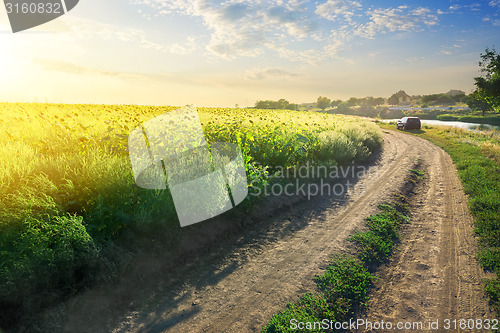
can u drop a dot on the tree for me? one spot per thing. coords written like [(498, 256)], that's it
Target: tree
[(426, 99), (445, 100), (323, 102), (488, 85), (478, 102), (353, 101), (267, 104), (378, 101), (335, 103), (393, 100), (282, 104)]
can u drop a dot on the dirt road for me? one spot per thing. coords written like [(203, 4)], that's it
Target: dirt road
[(434, 275), (243, 280)]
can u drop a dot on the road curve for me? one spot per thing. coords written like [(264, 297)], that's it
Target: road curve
[(434, 274)]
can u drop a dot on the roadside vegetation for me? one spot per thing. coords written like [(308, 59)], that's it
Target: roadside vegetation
[(71, 214), (476, 155), (490, 120), (343, 289)]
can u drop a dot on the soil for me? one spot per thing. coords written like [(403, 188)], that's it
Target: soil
[(434, 275), (238, 282)]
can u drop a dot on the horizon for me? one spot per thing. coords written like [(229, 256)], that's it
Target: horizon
[(157, 52)]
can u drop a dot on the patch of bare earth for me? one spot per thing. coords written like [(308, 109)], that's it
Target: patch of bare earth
[(237, 283)]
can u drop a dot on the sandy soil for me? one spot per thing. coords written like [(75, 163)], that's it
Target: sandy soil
[(434, 274), (238, 283)]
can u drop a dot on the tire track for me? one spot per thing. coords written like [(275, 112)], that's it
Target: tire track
[(434, 275), (246, 299)]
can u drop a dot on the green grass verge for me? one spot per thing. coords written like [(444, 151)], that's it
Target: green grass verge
[(477, 158), (342, 290), (491, 120)]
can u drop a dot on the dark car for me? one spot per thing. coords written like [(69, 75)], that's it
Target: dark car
[(408, 123)]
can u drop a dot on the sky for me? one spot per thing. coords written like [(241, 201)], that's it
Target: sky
[(235, 52)]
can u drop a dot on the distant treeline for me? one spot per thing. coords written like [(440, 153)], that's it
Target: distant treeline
[(281, 104)]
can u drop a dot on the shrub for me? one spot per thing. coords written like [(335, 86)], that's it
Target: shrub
[(311, 308), (47, 260), (492, 288), (345, 285), (372, 248)]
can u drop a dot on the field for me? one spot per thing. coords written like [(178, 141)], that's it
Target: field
[(71, 214)]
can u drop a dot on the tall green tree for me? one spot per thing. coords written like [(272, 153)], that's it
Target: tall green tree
[(478, 102), (488, 85)]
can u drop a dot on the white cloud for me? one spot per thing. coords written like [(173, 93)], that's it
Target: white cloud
[(252, 27), (242, 28), (396, 19), (74, 28), (333, 9), (72, 68), (414, 59), (495, 3), (269, 74)]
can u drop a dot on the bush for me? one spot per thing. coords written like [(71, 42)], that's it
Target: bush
[(311, 308), (492, 288), (495, 120), (44, 262), (372, 248), (447, 117), (490, 259), (345, 285)]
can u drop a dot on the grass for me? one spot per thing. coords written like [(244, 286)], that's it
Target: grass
[(68, 196), (342, 290), (491, 120), (476, 155)]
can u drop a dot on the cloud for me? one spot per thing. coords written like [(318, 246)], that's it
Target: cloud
[(251, 28), (182, 49), (495, 3), (396, 19), (268, 74), (333, 9), (75, 28), (242, 28), (162, 77), (414, 59), (71, 68)]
